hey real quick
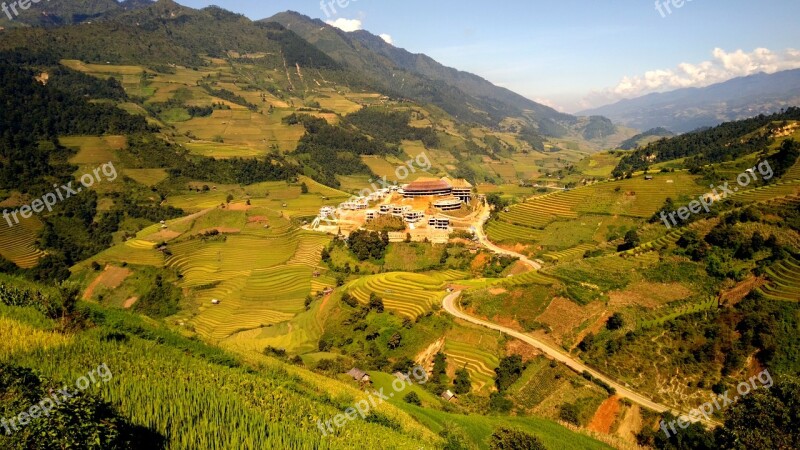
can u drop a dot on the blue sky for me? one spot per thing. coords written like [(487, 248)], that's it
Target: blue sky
[(575, 53)]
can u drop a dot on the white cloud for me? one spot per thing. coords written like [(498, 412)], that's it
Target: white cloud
[(346, 24), (387, 38), (548, 102), (723, 67)]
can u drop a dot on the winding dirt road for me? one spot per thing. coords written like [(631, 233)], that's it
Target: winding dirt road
[(451, 306)]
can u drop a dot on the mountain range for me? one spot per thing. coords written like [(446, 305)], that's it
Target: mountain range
[(685, 110)]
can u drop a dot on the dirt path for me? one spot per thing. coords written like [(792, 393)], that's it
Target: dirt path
[(449, 305)]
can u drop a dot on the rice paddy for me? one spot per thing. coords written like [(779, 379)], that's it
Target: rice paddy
[(94, 150), (784, 281), (479, 363), (407, 294), (18, 243)]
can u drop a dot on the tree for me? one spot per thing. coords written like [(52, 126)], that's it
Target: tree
[(439, 373), (303, 188), (412, 398), (631, 241), (509, 370), (462, 383), (505, 438), (395, 341), (229, 198), (569, 413), (615, 322), (766, 418), (375, 303)]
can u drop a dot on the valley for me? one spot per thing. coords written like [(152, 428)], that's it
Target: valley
[(305, 215)]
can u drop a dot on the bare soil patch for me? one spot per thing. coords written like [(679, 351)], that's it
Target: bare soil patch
[(631, 424), (605, 415), (563, 316), (130, 302), (526, 351), (238, 207), (497, 291), (594, 328), (425, 357), (257, 219), (648, 295), (737, 293), (112, 277)]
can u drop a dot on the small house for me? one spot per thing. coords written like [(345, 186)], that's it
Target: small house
[(449, 396), (648, 177), (359, 375), (215, 302), (401, 376)]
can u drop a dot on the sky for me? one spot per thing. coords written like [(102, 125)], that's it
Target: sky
[(573, 54)]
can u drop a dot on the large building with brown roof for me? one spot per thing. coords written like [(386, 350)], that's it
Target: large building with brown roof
[(444, 187)]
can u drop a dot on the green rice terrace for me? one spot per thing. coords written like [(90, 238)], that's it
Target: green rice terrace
[(304, 219)]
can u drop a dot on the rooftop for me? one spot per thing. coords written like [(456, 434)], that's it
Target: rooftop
[(427, 184)]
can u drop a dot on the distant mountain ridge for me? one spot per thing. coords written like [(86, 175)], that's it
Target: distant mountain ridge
[(685, 110), (418, 76), (68, 12)]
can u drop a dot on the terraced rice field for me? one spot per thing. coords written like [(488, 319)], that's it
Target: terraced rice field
[(634, 197), (260, 280), (661, 317), (479, 364), (18, 243), (769, 192), (668, 239), (539, 211), (532, 277), (408, 294), (499, 231), (203, 262), (572, 253), (784, 281)]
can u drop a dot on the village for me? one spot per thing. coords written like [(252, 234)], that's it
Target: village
[(428, 209)]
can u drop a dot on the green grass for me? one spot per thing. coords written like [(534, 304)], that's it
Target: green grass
[(274, 406)]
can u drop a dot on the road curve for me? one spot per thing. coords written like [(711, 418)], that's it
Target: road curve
[(449, 304), (481, 235)]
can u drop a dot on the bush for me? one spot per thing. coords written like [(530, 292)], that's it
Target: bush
[(505, 438), (412, 398)]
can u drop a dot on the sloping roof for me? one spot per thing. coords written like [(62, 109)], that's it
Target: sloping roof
[(356, 373), (460, 183), (427, 184), (447, 395)]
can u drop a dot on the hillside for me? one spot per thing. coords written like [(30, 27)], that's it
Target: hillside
[(257, 227), (421, 78), (688, 109)]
